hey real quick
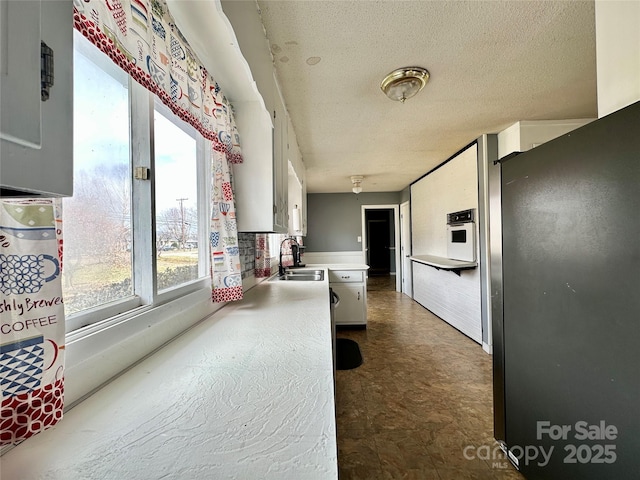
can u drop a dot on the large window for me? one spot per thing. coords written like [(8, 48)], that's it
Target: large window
[(98, 266), (110, 266)]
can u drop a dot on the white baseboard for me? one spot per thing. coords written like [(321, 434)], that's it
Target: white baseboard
[(487, 348)]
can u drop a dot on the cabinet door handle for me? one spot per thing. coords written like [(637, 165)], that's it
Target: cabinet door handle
[(358, 295)]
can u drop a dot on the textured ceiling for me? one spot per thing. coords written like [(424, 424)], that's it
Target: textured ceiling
[(491, 63)]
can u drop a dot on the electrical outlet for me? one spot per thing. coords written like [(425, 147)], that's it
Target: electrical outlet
[(359, 239)]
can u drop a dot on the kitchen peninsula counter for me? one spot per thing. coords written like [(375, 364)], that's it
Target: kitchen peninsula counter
[(441, 263), (245, 394)]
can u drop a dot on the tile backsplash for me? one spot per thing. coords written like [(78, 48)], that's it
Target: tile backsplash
[(247, 244)]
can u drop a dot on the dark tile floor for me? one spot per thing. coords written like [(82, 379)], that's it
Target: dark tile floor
[(421, 399)]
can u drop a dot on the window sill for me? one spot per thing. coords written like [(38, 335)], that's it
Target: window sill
[(96, 354), (104, 316)]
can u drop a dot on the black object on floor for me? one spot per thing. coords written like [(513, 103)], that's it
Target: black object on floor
[(348, 354)]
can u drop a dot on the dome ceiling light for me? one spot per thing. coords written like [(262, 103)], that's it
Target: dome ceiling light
[(356, 180), (404, 83)]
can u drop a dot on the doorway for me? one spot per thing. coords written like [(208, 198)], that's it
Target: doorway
[(405, 248), (379, 239), (380, 230)]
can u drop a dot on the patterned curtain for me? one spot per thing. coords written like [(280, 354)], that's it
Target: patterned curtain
[(141, 37), (263, 256), (226, 270), (32, 322)]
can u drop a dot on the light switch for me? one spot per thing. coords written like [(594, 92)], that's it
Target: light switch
[(359, 239)]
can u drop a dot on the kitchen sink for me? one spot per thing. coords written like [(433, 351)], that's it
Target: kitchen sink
[(304, 272), (301, 276)]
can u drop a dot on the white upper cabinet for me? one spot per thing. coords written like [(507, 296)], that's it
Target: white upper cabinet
[(261, 181), (527, 134), (36, 146), (297, 187), (20, 67), (280, 163)]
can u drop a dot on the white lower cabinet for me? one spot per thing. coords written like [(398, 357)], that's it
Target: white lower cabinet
[(351, 287)]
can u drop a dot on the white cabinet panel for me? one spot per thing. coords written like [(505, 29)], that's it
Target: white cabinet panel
[(280, 163), (297, 186), (261, 182), (344, 276), (20, 67), (352, 309), (36, 150)]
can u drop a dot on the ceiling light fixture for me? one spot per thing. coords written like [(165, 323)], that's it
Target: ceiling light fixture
[(404, 83), (356, 180)]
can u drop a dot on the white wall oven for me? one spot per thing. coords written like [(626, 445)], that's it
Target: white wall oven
[(461, 235)]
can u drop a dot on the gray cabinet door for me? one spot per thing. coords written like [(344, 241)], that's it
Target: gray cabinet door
[(20, 71), (36, 149)]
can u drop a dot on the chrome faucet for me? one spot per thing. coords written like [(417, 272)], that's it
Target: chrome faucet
[(294, 251)]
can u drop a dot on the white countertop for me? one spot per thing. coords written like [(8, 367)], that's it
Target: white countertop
[(442, 262), (246, 394)]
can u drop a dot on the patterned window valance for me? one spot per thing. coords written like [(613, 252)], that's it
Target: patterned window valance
[(141, 37)]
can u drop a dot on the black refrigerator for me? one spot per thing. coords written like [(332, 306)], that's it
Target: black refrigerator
[(567, 346)]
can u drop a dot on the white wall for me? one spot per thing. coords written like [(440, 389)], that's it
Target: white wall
[(617, 54), (450, 188), (334, 258)]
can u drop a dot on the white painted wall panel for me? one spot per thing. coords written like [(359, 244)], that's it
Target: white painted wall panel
[(338, 258), (454, 299), (451, 188), (617, 55)]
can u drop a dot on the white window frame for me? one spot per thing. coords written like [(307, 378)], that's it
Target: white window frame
[(203, 188), (142, 154)]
